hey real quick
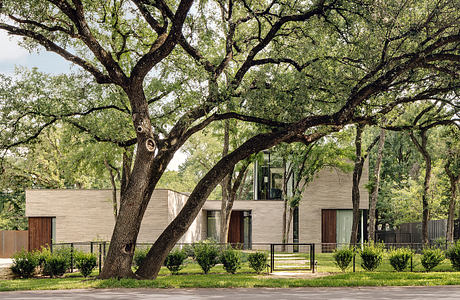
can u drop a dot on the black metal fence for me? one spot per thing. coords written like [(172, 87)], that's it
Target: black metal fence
[(283, 257), (292, 257)]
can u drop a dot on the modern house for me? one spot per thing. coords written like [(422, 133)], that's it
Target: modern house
[(323, 216)]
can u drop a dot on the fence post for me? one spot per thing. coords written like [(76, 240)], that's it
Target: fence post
[(91, 247), (71, 257), (272, 257), (100, 258), (312, 257)]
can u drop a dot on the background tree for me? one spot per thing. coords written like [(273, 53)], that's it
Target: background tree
[(375, 181)]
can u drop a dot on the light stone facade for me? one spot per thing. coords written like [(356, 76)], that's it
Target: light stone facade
[(86, 215)]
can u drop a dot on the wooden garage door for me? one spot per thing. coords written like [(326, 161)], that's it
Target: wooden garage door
[(235, 229), (328, 229), (40, 232)]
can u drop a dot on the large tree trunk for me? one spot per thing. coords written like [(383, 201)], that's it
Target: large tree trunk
[(422, 147), (145, 174), (375, 187), (454, 181), (355, 196), (227, 203)]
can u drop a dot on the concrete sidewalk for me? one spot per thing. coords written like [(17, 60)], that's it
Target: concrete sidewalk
[(374, 293)]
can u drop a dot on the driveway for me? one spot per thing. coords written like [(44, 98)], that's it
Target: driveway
[(374, 293)]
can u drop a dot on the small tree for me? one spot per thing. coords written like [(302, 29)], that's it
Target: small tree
[(343, 258)]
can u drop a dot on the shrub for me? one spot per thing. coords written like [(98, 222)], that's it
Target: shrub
[(85, 262), (371, 256), (24, 264), (431, 257), (258, 261), (453, 253), (174, 261), (399, 258), (206, 255), (343, 258), (188, 249), (231, 260), (55, 265), (139, 256), (42, 256)]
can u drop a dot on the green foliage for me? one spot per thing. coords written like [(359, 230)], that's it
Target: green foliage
[(431, 257), (24, 264), (139, 256), (174, 261), (231, 260), (188, 249), (371, 256), (85, 262), (453, 254), (54, 263), (206, 254), (258, 261), (55, 266), (399, 258), (343, 257)]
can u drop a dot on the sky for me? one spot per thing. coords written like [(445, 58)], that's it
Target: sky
[(12, 55)]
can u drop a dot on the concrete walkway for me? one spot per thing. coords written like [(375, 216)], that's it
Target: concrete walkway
[(5, 262), (374, 293)]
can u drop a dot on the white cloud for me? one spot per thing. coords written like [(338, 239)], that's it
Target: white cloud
[(9, 49)]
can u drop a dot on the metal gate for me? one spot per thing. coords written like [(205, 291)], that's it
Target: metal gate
[(292, 257)]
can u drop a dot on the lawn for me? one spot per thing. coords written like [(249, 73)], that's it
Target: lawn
[(191, 276)]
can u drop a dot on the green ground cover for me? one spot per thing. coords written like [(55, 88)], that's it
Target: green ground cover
[(191, 276)]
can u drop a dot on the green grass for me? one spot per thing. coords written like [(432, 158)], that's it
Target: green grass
[(191, 276)]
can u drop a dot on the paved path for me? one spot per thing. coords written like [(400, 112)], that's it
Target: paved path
[(374, 293)]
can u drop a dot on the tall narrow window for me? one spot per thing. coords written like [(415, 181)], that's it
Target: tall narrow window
[(213, 221)]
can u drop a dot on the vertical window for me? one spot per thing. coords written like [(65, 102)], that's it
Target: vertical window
[(247, 229), (53, 230), (213, 221)]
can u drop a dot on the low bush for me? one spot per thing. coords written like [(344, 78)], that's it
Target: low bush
[(55, 265), (231, 260), (431, 257), (24, 264), (258, 261), (453, 254), (174, 261), (206, 255), (139, 256), (399, 258), (188, 249), (85, 262), (343, 257), (371, 256)]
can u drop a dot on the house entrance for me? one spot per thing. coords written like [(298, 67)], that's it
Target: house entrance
[(239, 230)]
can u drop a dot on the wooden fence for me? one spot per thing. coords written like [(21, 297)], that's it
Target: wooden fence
[(12, 241)]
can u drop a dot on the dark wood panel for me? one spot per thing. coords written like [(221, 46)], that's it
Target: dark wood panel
[(328, 229), (39, 232), (235, 230)]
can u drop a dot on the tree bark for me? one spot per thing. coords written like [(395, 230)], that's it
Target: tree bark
[(285, 230), (226, 204), (355, 196), (422, 148), (454, 181), (375, 187), (146, 172)]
